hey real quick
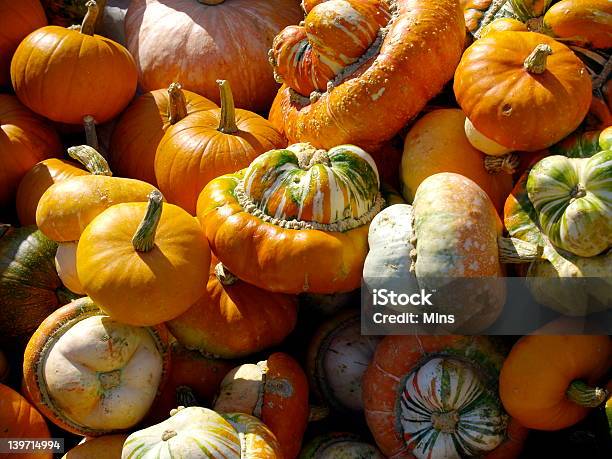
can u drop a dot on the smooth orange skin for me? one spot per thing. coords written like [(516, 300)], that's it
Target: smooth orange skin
[(19, 419), (105, 447), (140, 129), (36, 393), (17, 20), (437, 143), (193, 152), (586, 21), (394, 358), (538, 372), (143, 288), (236, 320), (38, 179), (391, 88), (274, 258), (25, 139), (64, 75), (513, 107), (503, 24)]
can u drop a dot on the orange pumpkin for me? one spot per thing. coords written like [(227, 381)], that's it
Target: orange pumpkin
[(548, 396), (19, 419), (17, 20), (140, 129), (231, 40), (25, 139), (368, 100), (520, 91), (587, 22), (275, 391), (437, 143), (105, 447), (209, 144), (233, 318), (75, 73)]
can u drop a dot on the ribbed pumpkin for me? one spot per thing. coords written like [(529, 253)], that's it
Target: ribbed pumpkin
[(274, 390), (143, 263), (105, 447), (193, 379), (20, 420), (140, 129), (552, 397), (234, 319), (339, 445), (67, 207), (233, 38), (17, 20), (436, 397), (296, 219), (588, 22), (29, 287), (25, 139), (75, 73), (337, 357), (499, 78), (437, 143), (368, 100), (200, 433), (209, 144), (92, 375)]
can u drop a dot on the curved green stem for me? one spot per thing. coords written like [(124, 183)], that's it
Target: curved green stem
[(177, 105), (144, 237), (88, 26), (227, 124), (582, 394), (93, 161), (536, 62)]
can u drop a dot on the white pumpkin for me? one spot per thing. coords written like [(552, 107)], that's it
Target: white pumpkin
[(65, 264)]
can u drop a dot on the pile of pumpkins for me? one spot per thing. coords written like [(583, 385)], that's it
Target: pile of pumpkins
[(180, 277)]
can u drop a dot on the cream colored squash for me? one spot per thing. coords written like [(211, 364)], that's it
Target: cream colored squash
[(482, 142), (65, 264)]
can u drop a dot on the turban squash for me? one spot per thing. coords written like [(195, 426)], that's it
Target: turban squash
[(65, 74), (368, 100), (436, 397), (296, 219), (92, 375)]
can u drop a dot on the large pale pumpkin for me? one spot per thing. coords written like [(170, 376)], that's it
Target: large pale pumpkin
[(274, 390), (29, 287), (67, 207), (296, 219), (234, 319), (140, 129), (17, 20), (520, 91), (65, 74), (435, 397), (143, 264), (20, 420), (437, 143), (200, 433), (370, 94), (92, 375), (25, 139), (230, 40), (206, 145)]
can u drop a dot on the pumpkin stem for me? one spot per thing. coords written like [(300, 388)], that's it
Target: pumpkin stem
[(506, 163), (513, 250), (168, 434), (579, 191), (536, 61), (177, 105), (317, 413), (89, 157), (185, 396), (227, 124), (224, 275), (144, 237), (582, 394), (91, 136), (88, 25), (445, 422)]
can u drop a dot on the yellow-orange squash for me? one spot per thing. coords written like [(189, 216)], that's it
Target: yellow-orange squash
[(65, 74), (206, 145), (296, 220), (393, 70), (105, 447), (140, 129), (143, 264), (587, 22)]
